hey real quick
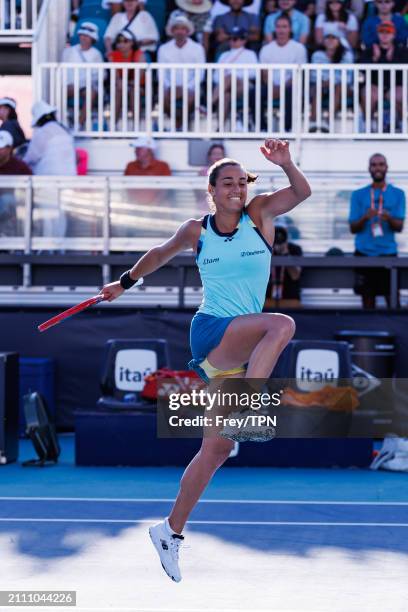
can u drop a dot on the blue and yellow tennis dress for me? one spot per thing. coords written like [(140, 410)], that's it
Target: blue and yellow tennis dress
[(234, 269)]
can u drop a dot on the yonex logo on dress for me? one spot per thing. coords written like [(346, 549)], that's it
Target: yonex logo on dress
[(208, 261), (247, 253), (229, 239)]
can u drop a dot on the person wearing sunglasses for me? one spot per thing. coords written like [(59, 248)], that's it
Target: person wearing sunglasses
[(126, 49), (385, 12), (237, 54)]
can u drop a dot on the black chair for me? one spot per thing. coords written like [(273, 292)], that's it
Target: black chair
[(126, 364)]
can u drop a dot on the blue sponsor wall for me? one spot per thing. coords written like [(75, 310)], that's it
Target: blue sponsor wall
[(77, 345)]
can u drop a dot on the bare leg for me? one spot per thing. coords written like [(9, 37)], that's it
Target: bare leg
[(259, 340), (213, 453)]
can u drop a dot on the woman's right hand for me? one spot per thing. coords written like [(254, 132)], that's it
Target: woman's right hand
[(112, 291)]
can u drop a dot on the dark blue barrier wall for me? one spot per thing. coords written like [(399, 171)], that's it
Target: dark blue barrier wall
[(77, 344)]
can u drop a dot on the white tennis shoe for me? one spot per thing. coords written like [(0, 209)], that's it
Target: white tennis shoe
[(167, 545)]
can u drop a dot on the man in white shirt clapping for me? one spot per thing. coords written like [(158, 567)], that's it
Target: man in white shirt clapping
[(180, 50)]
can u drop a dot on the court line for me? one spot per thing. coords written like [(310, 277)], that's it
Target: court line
[(194, 522), (209, 501)]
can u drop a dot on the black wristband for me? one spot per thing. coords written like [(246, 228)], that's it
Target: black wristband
[(126, 282)]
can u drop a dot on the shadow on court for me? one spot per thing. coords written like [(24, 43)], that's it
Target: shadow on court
[(56, 528)]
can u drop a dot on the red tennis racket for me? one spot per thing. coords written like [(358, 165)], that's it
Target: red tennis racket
[(71, 311)]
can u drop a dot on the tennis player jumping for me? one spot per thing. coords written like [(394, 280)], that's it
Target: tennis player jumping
[(233, 247)]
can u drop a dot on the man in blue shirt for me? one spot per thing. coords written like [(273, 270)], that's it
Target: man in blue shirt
[(377, 212)]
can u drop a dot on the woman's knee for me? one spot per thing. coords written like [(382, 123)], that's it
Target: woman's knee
[(282, 327)]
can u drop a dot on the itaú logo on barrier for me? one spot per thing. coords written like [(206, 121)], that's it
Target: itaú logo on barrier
[(316, 368), (131, 367)]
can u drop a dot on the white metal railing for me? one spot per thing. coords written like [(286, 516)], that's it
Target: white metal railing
[(18, 18), (108, 214), (179, 100)]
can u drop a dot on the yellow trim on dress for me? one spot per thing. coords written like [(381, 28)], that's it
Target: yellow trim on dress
[(213, 372)]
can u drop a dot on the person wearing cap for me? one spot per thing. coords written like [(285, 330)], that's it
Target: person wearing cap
[(300, 23), (9, 165), (198, 12), (146, 164), (336, 51), (385, 12), (51, 150), (237, 54), (282, 50), (339, 21), (387, 51), (284, 288), (126, 49), (84, 52), (9, 120), (181, 49), (236, 17), (138, 21)]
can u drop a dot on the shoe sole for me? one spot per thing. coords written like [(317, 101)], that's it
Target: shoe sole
[(162, 564)]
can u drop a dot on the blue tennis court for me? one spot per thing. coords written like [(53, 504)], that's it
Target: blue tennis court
[(260, 539)]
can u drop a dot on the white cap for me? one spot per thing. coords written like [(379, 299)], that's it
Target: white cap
[(126, 34), (6, 139), (39, 109), (89, 29), (143, 141), (9, 101)]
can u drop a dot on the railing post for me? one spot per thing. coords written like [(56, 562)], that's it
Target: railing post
[(28, 231), (106, 269)]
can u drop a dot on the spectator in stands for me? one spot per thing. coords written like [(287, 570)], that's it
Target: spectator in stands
[(377, 212), (181, 49), (369, 31), (146, 164), (236, 17), (356, 7), (269, 7), (138, 21), (337, 20), (282, 50), (125, 49), (198, 12), (385, 52), (83, 52), (300, 24), (335, 51), (214, 154), (220, 8), (51, 150), (9, 165), (9, 119), (115, 6), (237, 54), (284, 282)]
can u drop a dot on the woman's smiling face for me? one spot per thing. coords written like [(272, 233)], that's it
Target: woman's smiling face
[(231, 188)]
